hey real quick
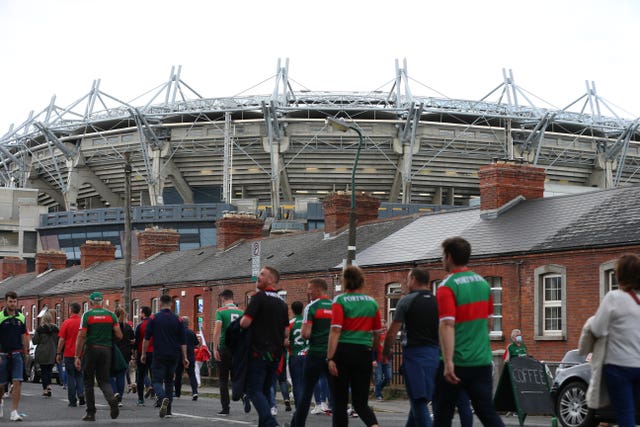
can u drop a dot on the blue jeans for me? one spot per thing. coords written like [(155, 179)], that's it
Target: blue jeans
[(117, 383), (315, 366), (321, 392), (296, 366), (383, 377), (163, 368), (624, 388), (75, 385), (260, 377), (420, 365), (477, 382)]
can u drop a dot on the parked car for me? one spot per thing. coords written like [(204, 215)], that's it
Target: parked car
[(33, 369), (569, 394)]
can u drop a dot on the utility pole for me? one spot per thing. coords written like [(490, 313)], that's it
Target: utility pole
[(127, 235)]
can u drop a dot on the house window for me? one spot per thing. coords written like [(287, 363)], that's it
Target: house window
[(34, 317), (608, 281), (85, 307), (154, 305), (176, 306), (58, 315), (393, 294), (550, 302), (496, 293), (135, 308), (248, 296)]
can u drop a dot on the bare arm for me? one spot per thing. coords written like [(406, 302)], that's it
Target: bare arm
[(334, 337), (306, 330), (217, 330), (117, 332), (447, 344), (390, 338), (82, 336), (59, 349)]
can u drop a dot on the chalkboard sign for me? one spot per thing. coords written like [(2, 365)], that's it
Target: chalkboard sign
[(523, 388)]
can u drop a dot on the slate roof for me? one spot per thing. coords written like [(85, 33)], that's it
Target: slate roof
[(594, 219), (586, 220)]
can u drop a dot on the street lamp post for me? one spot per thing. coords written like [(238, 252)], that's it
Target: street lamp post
[(343, 126)]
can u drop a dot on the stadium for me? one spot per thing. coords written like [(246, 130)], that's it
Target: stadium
[(276, 153)]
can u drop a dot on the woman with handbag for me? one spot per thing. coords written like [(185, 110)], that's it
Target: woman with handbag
[(617, 319)]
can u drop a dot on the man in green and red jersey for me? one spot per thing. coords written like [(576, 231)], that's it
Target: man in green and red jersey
[(465, 307), (98, 328), (298, 347), (224, 316), (316, 323)]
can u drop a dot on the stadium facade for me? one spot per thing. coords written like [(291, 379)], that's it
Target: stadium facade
[(274, 154)]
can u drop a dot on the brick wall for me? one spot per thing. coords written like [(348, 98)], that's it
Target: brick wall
[(96, 251), (55, 260), (152, 241), (337, 208), (234, 227), (12, 266), (503, 182)]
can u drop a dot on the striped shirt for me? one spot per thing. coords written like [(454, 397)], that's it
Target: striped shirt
[(358, 316)]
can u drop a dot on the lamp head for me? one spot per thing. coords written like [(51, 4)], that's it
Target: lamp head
[(338, 124)]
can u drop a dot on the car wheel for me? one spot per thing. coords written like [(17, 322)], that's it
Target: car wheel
[(571, 406)]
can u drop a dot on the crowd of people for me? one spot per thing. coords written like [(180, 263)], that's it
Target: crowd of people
[(330, 348)]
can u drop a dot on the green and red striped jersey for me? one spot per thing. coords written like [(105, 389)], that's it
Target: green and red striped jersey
[(465, 297), (98, 323), (226, 314), (358, 316), (318, 314)]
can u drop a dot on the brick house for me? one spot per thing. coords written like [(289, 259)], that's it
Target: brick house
[(549, 260)]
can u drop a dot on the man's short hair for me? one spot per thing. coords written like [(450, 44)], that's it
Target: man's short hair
[(146, 310), (459, 250), (10, 294), (275, 273), (420, 275), (227, 294), (165, 299), (297, 307), (319, 283), (74, 307)]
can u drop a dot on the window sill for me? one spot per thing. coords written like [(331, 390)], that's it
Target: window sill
[(550, 338), (496, 336)]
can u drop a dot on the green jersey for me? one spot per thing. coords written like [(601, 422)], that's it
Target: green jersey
[(318, 314), (297, 344), (226, 315), (98, 324), (358, 316)]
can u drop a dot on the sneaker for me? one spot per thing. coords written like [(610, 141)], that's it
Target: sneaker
[(164, 407), (287, 406), (15, 416), (324, 408), (140, 402), (148, 392), (72, 405), (194, 397), (352, 413), (81, 401), (379, 399), (114, 407), (224, 412), (89, 417), (247, 404), (120, 405), (274, 411), (316, 410)]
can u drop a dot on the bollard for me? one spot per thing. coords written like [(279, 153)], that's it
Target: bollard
[(554, 422)]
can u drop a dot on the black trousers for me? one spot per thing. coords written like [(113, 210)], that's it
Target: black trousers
[(96, 363), (354, 368), (191, 372), (224, 372)]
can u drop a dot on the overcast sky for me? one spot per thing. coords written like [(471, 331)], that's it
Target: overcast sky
[(458, 48)]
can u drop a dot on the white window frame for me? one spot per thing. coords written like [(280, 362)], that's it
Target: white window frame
[(607, 273), (34, 318), (541, 274), (393, 293), (135, 308), (495, 282), (154, 305)]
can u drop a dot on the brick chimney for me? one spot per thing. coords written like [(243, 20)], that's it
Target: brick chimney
[(233, 227), (503, 182), (96, 251), (12, 266), (337, 207), (153, 240), (55, 260)]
